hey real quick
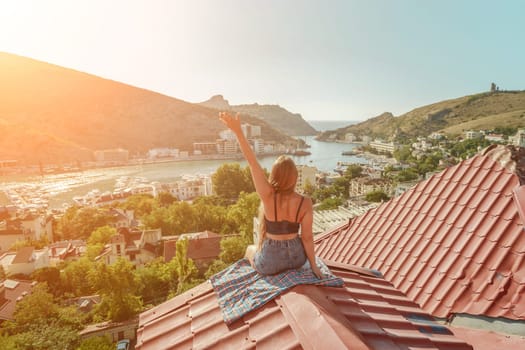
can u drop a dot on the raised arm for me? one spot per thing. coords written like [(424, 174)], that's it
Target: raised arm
[(262, 186)]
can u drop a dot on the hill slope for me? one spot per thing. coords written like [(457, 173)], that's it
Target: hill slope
[(452, 117), (52, 114), (278, 117)]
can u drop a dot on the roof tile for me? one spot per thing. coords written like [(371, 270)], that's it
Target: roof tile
[(367, 313), (454, 243)]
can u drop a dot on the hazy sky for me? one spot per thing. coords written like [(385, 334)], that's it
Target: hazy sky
[(328, 60)]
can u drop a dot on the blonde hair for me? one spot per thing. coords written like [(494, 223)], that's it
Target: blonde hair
[(283, 179)]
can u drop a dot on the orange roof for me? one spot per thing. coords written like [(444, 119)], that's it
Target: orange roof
[(367, 313), (453, 243)]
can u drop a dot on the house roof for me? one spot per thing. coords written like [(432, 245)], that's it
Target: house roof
[(367, 313), (201, 245), (13, 290), (453, 243), (23, 256)]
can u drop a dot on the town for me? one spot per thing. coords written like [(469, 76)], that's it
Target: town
[(183, 225)]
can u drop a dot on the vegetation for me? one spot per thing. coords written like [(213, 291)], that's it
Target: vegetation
[(43, 320)]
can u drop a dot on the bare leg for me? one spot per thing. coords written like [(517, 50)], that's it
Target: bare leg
[(250, 253)]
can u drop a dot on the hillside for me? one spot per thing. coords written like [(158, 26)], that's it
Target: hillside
[(52, 114), (278, 117), (452, 117)]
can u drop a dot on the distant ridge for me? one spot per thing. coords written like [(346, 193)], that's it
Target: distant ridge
[(452, 117), (288, 123), (51, 114)]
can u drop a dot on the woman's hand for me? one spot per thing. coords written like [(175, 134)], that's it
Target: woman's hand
[(232, 122), (317, 271)]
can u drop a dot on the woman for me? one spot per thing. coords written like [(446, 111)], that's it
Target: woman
[(283, 212)]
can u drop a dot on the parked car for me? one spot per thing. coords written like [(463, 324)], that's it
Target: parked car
[(123, 344)]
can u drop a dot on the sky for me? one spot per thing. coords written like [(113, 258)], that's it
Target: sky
[(327, 60)]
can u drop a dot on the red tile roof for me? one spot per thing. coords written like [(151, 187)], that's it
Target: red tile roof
[(453, 243), (202, 245), (367, 313)]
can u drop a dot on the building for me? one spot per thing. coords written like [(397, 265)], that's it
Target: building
[(251, 131), (453, 243), (360, 186), (382, 146), (306, 174), (203, 248), (226, 146), (349, 137), (495, 137), (205, 148), (115, 331), (190, 188), (24, 261), (11, 292), (112, 156), (138, 247), (519, 138), (156, 153), (471, 134)]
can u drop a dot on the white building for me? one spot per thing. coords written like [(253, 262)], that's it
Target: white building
[(227, 135), (519, 138), (258, 145), (251, 131), (350, 137), (382, 146), (117, 155), (190, 188), (25, 261), (305, 174), (163, 153), (471, 134), (225, 146)]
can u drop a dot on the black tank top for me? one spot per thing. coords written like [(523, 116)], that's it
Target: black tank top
[(282, 227)]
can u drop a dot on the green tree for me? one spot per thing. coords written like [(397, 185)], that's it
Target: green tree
[(37, 307), (141, 204), (50, 275), (165, 199), (376, 196), (8, 343), (79, 223), (154, 281), (98, 239), (353, 171), (330, 203), (117, 286), (230, 180), (240, 215), (308, 188), (96, 343), (184, 268), (74, 277)]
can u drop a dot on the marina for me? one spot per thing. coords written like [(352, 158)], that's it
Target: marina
[(56, 191)]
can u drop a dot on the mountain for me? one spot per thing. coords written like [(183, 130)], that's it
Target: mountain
[(487, 110), (52, 114), (278, 117)]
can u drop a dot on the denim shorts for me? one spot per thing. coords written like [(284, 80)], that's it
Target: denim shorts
[(279, 255)]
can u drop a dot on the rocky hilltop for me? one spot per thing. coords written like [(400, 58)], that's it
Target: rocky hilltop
[(51, 114), (289, 123), (452, 117)]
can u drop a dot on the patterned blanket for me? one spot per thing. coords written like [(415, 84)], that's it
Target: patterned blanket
[(240, 289)]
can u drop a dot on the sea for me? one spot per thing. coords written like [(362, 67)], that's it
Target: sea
[(60, 189)]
